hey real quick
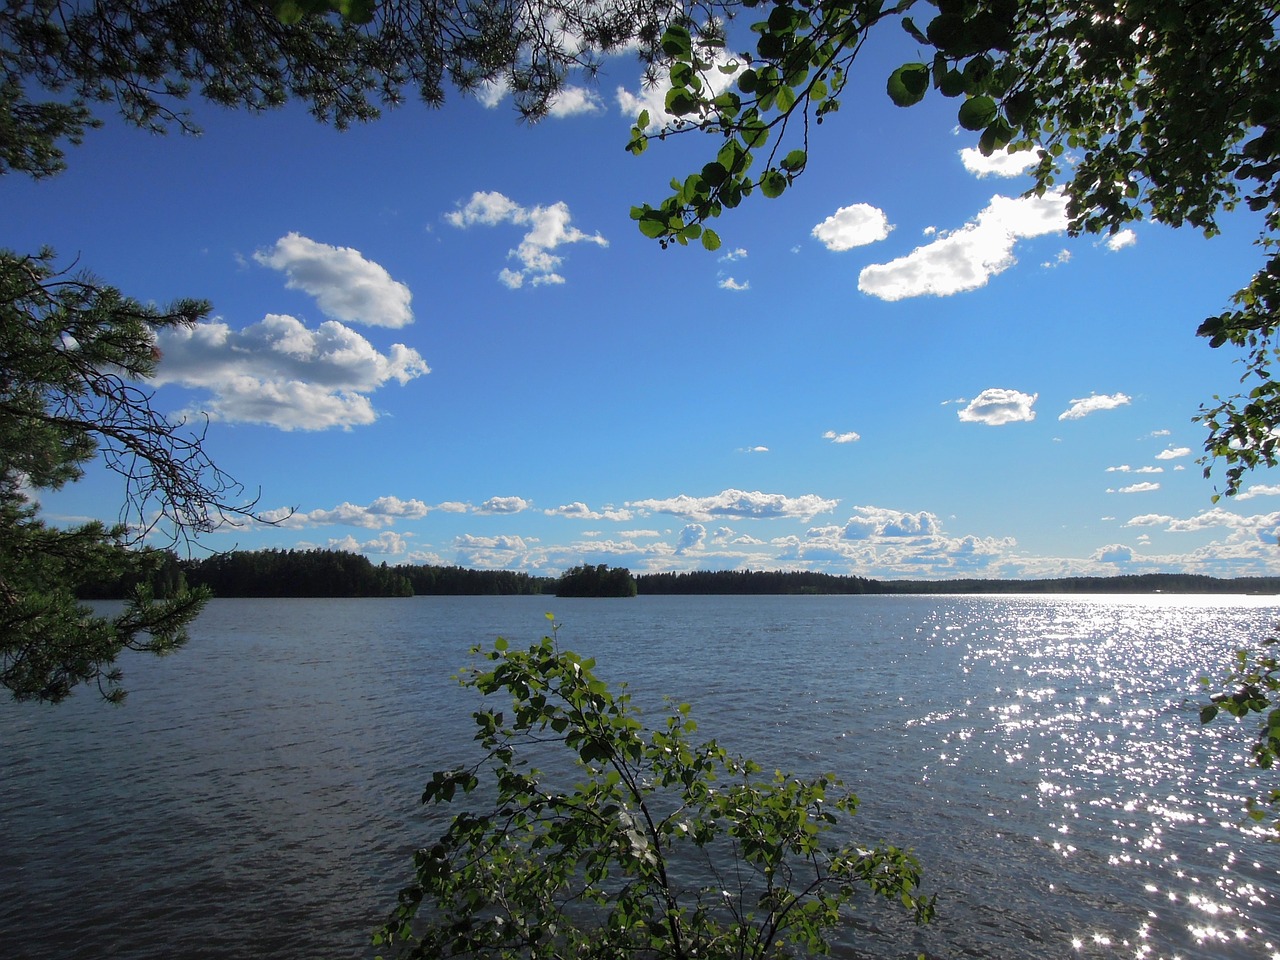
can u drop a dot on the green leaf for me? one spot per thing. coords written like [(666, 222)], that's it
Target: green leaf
[(773, 183), (714, 174), (977, 112), (676, 42), (907, 85), (710, 240), (794, 161), (653, 227), (680, 102)]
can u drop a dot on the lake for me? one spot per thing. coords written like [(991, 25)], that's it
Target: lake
[(257, 794)]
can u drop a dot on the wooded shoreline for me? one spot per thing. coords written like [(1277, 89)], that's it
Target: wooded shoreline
[(337, 573)]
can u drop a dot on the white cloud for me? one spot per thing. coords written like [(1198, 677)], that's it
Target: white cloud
[(853, 226), (1125, 468), (1173, 453), (834, 437), (873, 522), (492, 92), (1258, 490), (1113, 553), (997, 406), (574, 101), (692, 537), (392, 544), (740, 503), (280, 372), (1146, 486), (967, 258), (549, 229), (734, 255), (728, 283), (493, 553), (382, 512), (1122, 239), (580, 511), (999, 164), (756, 449), (1080, 409), (504, 505), (1149, 520), (346, 286)]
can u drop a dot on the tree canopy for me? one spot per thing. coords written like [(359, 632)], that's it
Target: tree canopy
[(71, 352), (61, 61)]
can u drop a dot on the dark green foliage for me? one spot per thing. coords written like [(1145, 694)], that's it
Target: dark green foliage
[(810, 582), (598, 581), (296, 573), (429, 580), (632, 842), (70, 349), (1252, 687), (62, 60)]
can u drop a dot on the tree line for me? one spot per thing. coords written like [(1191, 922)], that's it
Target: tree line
[(337, 573), (810, 582)]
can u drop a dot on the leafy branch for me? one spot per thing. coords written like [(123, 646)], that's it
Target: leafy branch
[(635, 841)]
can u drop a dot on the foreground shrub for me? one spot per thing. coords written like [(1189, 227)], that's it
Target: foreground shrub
[(646, 845)]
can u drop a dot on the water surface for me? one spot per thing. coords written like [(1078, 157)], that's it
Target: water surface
[(257, 793)]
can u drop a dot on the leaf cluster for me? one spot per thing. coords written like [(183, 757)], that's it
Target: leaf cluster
[(591, 835), (72, 351), (63, 61), (1252, 686)]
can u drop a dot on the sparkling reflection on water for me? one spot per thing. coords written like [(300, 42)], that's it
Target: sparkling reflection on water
[(257, 794)]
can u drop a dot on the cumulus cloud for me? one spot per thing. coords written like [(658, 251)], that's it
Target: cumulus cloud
[(1145, 487), (1173, 453), (549, 229), (1125, 468), (999, 164), (1121, 239), (580, 511), (281, 373), (967, 258), (1149, 520), (490, 553), (997, 406), (1113, 553), (734, 255), (1258, 490), (391, 544), (504, 505), (728, 283), (382, 512), (834, 437), (574, 101), (755, 449), (740, 503), (1080, 409), (346, 286), (853, 226), (692, 537), (878, 541), (871, 522)]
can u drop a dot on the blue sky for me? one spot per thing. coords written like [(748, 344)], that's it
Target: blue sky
[(439, 338)]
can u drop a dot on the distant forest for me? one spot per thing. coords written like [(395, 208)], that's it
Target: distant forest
[(337, 573)]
